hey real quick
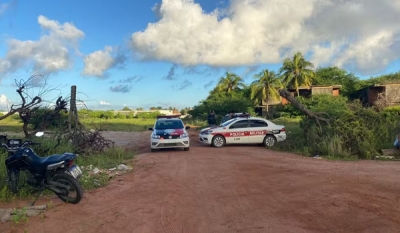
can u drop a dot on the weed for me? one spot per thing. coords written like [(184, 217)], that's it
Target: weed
[(19, 216)]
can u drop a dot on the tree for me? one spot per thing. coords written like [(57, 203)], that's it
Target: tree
[(126, 109), (229, 83), (337, 76), (265, 87), (297, 72)]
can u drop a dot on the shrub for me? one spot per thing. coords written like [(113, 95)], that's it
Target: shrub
[(354, 130)]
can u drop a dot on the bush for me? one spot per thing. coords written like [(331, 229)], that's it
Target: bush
[(392, 110), (48, 118), (148, 115), (354, 130)]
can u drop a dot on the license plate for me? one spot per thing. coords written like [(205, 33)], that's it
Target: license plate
[(75, 171)]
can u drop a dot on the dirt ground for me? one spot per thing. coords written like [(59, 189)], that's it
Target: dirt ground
[(232, 189)]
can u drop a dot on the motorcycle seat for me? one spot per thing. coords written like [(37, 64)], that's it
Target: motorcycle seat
[(43, 162)]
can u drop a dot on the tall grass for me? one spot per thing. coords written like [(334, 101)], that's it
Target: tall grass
[(295, 141)]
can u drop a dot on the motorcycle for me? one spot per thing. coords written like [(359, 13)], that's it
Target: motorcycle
[(57, 173)]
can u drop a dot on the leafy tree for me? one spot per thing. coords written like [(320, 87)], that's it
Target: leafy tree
[(222, 104), (126, 109), (297, 72), (265, 87), (229, 83), (337, 76)]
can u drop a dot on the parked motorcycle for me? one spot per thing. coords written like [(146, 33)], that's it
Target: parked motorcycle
[(57, 173)]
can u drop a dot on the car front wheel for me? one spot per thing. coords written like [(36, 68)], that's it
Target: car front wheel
[(269, 141), (218, 141)]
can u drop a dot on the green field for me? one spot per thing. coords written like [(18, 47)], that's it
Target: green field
[(125, 125)]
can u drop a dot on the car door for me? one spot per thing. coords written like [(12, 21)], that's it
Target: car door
[(238, 132), (257, 130)]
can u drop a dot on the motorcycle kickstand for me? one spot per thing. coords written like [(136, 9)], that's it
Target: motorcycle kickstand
[(41, 190)]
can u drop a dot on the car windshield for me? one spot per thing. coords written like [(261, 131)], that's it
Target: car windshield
[(169, 124), (228, 122)]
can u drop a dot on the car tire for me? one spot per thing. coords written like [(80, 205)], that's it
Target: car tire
[(218, 141), (186, 148), (269, 141)]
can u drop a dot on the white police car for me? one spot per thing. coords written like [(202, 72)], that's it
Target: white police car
[(249, 130), (169, 132)]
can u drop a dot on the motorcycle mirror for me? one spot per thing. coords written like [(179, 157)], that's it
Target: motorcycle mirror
[(39, 134)]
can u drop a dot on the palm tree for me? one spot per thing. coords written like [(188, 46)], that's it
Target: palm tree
[(297, 72), (230, 82), (265, 87)]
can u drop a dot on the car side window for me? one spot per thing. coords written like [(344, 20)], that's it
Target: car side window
[(258, 123), (239, 125)]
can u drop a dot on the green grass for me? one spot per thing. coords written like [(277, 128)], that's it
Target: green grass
[(126, 125), (10, 124), (294, 137)]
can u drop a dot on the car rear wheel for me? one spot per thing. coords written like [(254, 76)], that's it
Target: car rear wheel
[(218, 141), (269, 141)]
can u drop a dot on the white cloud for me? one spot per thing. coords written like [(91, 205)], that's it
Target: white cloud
[(3, 8), (4, 102), (363, 34), (98, 62), (104, 103), (48, 54)]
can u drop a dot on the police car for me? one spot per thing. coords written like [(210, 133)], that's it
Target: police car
[(244, 130), (169, 132)]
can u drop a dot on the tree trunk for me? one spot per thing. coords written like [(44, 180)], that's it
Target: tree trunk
[(316, 116)]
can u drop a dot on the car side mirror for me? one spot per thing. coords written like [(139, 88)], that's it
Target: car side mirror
[(187, 127), (151, 129)]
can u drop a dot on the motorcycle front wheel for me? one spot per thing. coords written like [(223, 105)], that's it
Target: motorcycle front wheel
[(73, 185), (13, 181)]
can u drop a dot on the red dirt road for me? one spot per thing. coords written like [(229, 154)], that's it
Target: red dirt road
[(233, 189)]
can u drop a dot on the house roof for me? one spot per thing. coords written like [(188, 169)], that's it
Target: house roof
[(317, 86), (385, 84)]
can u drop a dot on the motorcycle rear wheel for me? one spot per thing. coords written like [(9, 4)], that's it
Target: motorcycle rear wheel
[(68, 180)]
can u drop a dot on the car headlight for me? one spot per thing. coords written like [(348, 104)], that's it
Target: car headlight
[(155, 136), (185, 135), (206, 132)]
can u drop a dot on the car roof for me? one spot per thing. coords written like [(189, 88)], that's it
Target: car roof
[(238, 113), (168, 119)]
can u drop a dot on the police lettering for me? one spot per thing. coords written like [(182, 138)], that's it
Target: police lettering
[(257, 133), (236, 134)]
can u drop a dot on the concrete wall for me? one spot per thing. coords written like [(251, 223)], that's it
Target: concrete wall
[(322, 90), (393, 93)]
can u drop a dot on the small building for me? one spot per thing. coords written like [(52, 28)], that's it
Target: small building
[(390, 92)]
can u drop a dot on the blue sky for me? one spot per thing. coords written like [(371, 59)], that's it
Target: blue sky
[(139, 53)]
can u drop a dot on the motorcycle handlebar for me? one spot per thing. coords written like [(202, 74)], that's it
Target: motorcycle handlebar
[(22, 145)]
